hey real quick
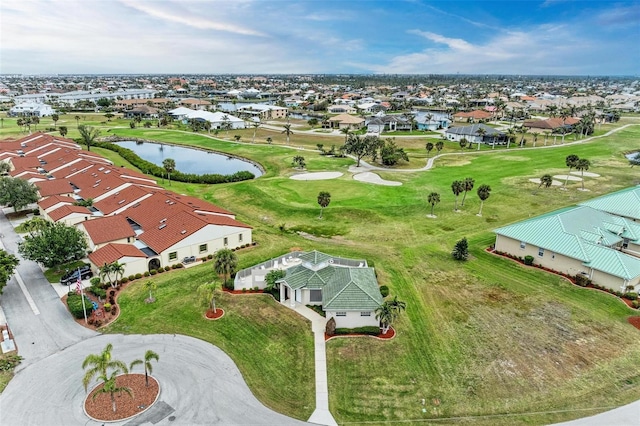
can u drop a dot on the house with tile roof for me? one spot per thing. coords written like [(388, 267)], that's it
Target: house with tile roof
[(579, 240), (128, 208), (345, 121), (346, 289), (108, 229)]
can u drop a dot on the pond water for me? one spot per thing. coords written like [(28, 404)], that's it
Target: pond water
[(189, 160)]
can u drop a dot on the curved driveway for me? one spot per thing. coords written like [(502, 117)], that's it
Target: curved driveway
[(200, 385)]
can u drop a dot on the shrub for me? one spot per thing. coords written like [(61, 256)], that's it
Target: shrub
[(384, 290), (631, 295), (138, 276), (132, 277), (635, 304), (95, 281), (256, 288), (244, 290), (124, 280), (331, 327), (461, 250), (204, 259), (528, 260), (209, 256), (369, 330), (167, 268), (97, 291), (146, 273), (74, 302), (153, 272), (581, 280), (179, 265), (9, 362), (228, 285), (97, 323), (160, 270), (107, 307)]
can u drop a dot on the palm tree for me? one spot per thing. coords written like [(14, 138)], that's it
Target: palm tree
[(88, 135), (226, 123), (225, 263), (55, 118), (463, 144), (480, 132), (429, 147), (433, 199), (324, 198), (510, 134), (483, 193), (269, 140), (564, 114), (396, 305), (169, 165), (385, 315), (109, 386), (346, 131), (77, 118), (99, 364), (118, 271), (149, 356), (458, 188), (468, 186), (535, 138), (439, 146), (545, 180), (571, 161), (207, 291), (287, 131), (63, 131), (546, 136), (150, 285), (582, 165), (255, 126)]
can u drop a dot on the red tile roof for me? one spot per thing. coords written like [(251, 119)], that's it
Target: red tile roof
[(477, 114), (54, 187), (110, 228), (120, 199), (551, 123), (66, 210), (55, 199), (175, 228), (112, 252)]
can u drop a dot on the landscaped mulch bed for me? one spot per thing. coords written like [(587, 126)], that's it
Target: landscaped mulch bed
[(390, 334), (214, 315), (634, 321), (243, 292), (126, 406)]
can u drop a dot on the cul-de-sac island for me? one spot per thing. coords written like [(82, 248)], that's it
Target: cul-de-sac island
[(297, 212)]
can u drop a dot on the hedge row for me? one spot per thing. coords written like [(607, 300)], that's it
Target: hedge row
[(369, 330), (158, 171), (74, 301)]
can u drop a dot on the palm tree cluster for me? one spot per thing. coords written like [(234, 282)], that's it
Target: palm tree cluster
[(388, 312), (112, 273), (225, 263), (106, 369)]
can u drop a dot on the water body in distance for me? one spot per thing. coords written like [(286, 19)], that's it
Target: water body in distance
[(189, 160)]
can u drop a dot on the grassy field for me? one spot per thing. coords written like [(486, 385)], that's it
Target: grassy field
[(482, 338)]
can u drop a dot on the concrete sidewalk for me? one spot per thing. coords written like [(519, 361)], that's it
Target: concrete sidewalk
[(321, 415)]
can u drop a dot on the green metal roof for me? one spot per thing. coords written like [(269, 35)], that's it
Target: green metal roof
[(352, 289), (582, 233), (622, 203), (344, 288)]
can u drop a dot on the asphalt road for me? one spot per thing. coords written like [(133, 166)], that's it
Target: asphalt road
[(200, 385)]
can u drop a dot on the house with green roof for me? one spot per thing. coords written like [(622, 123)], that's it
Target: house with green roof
[(579, 240), (347, 289), (625, 203)]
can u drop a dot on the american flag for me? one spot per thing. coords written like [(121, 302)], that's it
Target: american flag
[(78, 284)]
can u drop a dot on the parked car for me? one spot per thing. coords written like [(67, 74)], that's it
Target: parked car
[(188, 259), (72, 276)]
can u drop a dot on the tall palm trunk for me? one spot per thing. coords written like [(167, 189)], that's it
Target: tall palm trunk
[(481, 204)]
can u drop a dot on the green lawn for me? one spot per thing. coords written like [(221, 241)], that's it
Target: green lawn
[(484, 337)]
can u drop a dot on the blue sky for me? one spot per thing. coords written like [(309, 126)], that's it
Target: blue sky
[(347, 36)]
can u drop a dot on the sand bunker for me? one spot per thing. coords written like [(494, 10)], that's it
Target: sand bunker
[(570, 177), (553, 182), (316, 176), (375, 179), (586, 174)]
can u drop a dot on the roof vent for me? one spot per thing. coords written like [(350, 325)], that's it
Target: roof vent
[(121, 202), (184, 231), (163, 220), (162, 226)]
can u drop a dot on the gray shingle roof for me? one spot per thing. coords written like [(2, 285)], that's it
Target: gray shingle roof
[(472, 130)]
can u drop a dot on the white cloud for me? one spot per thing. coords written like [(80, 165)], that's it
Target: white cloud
[(172, 12)]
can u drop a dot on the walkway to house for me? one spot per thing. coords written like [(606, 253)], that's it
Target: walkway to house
[(321, 415)]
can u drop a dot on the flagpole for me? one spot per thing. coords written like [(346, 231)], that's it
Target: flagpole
[(79, 283)]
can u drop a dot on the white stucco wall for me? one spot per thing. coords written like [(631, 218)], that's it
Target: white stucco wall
[(353, 320), (211, 235)]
